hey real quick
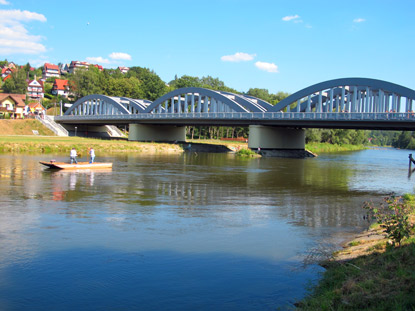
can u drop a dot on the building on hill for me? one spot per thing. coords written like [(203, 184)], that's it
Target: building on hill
[(64, 68), (35, 89), (100, 68), (61, 87), (36, 108), (123, 70), (77, 65), (6, 71), (50, 70), (12, 105)]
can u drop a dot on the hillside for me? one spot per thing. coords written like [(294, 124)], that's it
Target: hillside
[(23, 127)]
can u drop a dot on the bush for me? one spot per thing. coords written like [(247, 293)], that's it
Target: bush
[(393, 215)]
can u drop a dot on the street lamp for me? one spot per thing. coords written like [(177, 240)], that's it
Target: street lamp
[(75, 130)]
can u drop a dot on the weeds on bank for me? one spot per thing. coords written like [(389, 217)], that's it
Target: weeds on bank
[(246, 152), (393, 215)]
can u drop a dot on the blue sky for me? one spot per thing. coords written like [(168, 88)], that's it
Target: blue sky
[(277, 45)]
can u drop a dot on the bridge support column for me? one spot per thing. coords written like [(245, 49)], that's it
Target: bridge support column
[(278, 142), (159, 133)]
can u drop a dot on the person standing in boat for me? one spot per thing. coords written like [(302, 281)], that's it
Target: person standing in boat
[(73, 156), (91, 155)]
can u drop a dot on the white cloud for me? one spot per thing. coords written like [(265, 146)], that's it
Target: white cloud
[(12, 16), (290, 18), (270, 67), (4, 2), (118, 55), (97, 60), (238, 57), (14, 37), (359, 20)]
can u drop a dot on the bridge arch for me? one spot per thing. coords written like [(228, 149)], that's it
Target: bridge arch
[(195, 99), (107, 105), (349, 95)]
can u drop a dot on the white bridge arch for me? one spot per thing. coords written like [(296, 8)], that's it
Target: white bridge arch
[(353, 95), (350, 95)]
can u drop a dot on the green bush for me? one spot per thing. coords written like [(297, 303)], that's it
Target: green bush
[(393, 215)]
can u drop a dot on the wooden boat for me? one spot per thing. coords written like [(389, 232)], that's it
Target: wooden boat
[(80, 165)]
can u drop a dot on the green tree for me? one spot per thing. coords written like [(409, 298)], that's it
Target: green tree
[(260, 93), (86, 82), (16, 84), (185, 81), (152, 87)]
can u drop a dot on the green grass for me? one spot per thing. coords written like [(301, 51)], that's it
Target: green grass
[(245, 152), (326, 147), (380, 281), (56, 144)]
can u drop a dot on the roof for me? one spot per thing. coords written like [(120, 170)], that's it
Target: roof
[(35, 105), (31, 81), (17, 98), (6, 69), (60, 84), (48, 66)]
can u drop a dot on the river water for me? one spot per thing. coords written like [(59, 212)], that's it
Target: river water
[(180, 232)]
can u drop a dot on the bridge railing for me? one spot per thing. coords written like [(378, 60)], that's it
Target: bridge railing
[(312, 116)]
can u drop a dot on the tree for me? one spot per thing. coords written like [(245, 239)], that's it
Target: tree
[(185, 81), (152, 87), (16, 84), (260, 93), (86, 82)]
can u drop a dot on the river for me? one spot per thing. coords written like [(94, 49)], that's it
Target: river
[(195, 231)]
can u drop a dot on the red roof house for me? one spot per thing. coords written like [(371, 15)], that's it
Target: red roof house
[(51, 70)]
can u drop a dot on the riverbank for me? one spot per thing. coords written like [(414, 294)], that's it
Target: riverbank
[(367, 274), (56, 144), (326, 147)]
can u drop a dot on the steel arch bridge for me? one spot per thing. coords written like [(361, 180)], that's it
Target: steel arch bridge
[(341, 103)]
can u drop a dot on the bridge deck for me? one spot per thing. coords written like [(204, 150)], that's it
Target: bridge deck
[(351, 120)]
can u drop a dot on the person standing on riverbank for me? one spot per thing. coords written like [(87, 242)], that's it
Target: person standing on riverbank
[(91, 155), (73, 156)]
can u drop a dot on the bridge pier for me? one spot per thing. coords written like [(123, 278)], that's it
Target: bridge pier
[(157, 133), (278, 142)]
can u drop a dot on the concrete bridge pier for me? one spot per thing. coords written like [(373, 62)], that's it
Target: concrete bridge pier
[(157, 133), (278, 142)]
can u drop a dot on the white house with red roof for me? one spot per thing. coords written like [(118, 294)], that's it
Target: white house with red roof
[(60, 87), (51, 70), (35, 89), (123, 70), (5, 72), (77, 65)]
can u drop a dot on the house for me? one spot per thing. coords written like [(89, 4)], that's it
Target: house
[(100, 68), (12, 105), (64, 68), (36, 108), (60, 87), (77, 65), (35, 89), (50, 70), (123, 69), (5, 72)]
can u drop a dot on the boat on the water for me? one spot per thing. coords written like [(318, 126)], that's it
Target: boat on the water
[(74, 166)]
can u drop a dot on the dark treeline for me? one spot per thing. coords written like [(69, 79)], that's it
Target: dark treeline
[(143, 83)]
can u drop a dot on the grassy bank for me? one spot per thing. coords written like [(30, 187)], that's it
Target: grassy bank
[(371, 272), (326, 147), (379, 281), (23, 127), (55, 144)]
